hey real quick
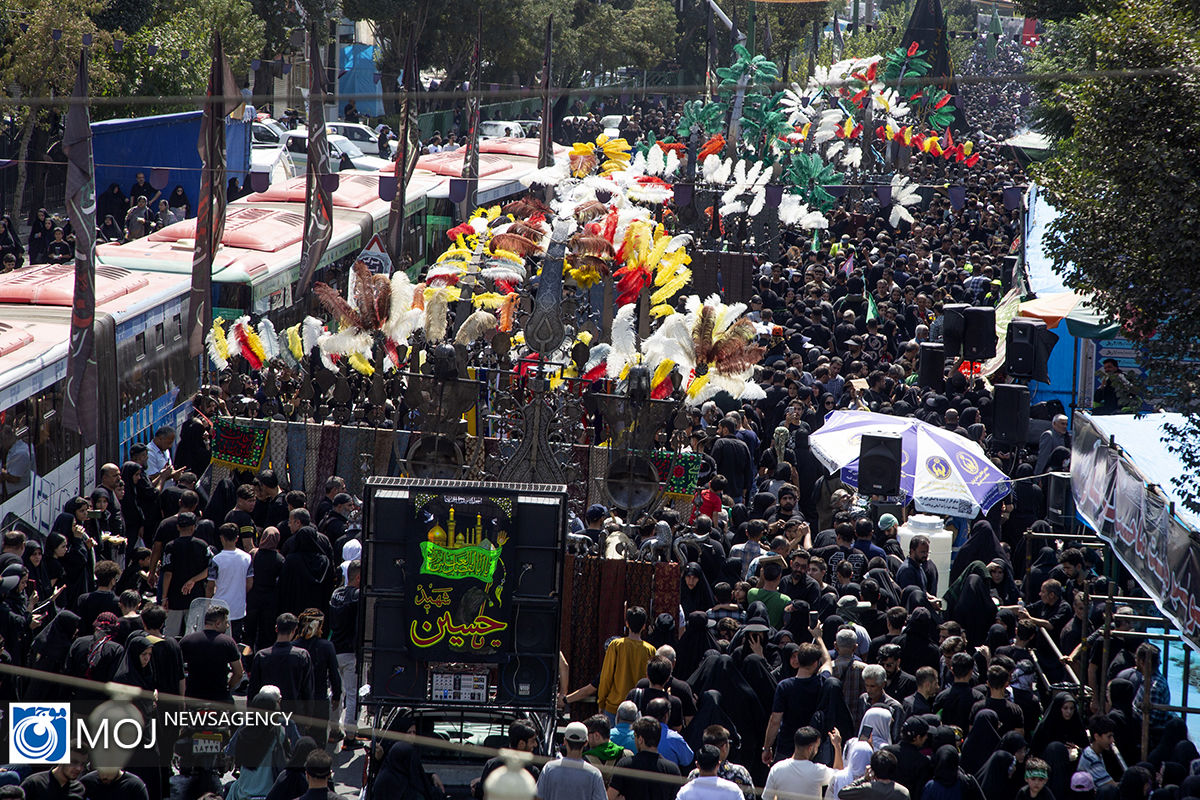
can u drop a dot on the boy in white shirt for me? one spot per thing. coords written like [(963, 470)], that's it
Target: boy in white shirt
[(230, 577), (799, 776)]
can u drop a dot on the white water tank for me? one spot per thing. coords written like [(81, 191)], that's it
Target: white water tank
[(941, 543)]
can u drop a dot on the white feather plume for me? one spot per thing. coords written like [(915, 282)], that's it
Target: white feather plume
[(656, 161), (480, 323), (624, 340), (596, 356), (270, 339), (310, 333), (437, 309), (710, 166), (672, 165), (672, 340)]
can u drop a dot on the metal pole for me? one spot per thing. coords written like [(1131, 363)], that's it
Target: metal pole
[(1187, 677), (1102, 678), (1147, 678)]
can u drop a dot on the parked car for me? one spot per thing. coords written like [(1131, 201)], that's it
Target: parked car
[(343, 153), (495, 128), (267, 133), (363, 137)]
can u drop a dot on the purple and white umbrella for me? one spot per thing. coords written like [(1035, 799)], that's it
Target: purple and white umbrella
[(942, 472)]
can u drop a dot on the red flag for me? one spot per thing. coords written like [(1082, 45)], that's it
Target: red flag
[(1029, 35)]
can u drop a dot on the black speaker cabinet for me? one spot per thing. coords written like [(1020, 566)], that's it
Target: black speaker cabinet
[(931, 368), (879, 464), (1010, 414), (954, 323), (979, 333), (1060, 503), (527, 681), (1020, 353)]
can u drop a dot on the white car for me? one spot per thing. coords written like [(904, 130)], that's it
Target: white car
[(495, 129), (343, 153), (363, 137), (266, 133)]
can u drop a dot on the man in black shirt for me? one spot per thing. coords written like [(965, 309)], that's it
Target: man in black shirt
[(185, 572), (113, 784), (168, 530), (733, 460), (646, 734), (900, 684), (334, 523), (271, 508), (214, 665), (343, 632), (920, 702), (955, 702), (333, 487), (242, 516), (59, 783), (1010, 714), (1050, 611), (93, 604), (653, 686), (283, 665), (796, 701)]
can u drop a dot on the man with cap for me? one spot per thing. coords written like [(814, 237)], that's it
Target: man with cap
[(889, 529), (186, 562), (707, 785), (570, 776), (334, 523), (593, 520), (915, 767)]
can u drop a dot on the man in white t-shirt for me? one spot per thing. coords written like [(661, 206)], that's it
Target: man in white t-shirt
[(707, 785), (17, 471), (230, 577), (799, 777)]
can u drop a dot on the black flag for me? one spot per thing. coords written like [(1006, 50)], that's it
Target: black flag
[(81, 407), (546, 137), (407, 150), (470, 170), (221, 100), (318, 191), (927, 27)]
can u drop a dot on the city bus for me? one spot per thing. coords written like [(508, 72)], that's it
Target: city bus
[(139, 325)]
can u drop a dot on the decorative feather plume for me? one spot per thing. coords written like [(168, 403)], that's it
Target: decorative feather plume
[(656, 161), (269, 339), (515, 243), (672, 165), (345, 342), (590, 210), (411, 320), (624, 340), (526, 207), (311, 331), (508, 311), (672, 341), (521, 228), (709, 168), (672, 286), (702, 334), (437, 307), (364, 297), (586, 244), (295, 345), (596, 356), (480, 323), (336, 305), (218, 347)]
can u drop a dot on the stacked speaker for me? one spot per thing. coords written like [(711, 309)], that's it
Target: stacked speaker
[(524, 672), (969, 331), (1027, 349)]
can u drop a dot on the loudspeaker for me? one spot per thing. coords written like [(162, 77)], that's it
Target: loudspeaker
[(535, 628), (953, 327), (1060, 503), (1010, 413), (979, 333), (394, 674), (931, 366), (879, 464), (1028, 349), (526, 681)]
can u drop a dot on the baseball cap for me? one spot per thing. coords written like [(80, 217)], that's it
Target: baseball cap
[(1082, 782), (915, 726), (887, 521), (576, 732), (596, 512)]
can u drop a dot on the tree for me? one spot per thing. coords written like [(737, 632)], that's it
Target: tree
[(182, 32), (38, 67), (1128, 229)]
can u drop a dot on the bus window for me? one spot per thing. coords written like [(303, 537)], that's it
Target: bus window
[(20, 458), (160, 336), (233, 296), (53, 443), (139, 346)]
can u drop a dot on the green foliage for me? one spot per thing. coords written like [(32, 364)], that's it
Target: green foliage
[(806, 174), (701, 117), (762, 122), (746, 70), (181, 27), (883, 39), (1124, 183), (36, 65), (127, 16), (1065, 47)]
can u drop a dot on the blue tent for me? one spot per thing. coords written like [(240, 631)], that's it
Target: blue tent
[(359, 78)]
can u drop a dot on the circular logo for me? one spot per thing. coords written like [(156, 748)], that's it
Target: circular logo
[(38, 734), (968, 463), (938, 467)]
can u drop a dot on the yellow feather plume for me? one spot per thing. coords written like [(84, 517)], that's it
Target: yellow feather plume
[(218, 334), (698, 384), (360, 364), (664, 310), (489, 300), (295, 345), (662, 371), (671, 287)]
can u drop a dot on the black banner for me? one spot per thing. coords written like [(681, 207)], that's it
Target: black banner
[(1159, 551), (470, 170), (459, 577), (545, 133), (81, 411), (318, 191), (407, 149)]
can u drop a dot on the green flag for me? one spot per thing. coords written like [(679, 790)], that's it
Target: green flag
[(872, 309), (816, 242), (994, 31)]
